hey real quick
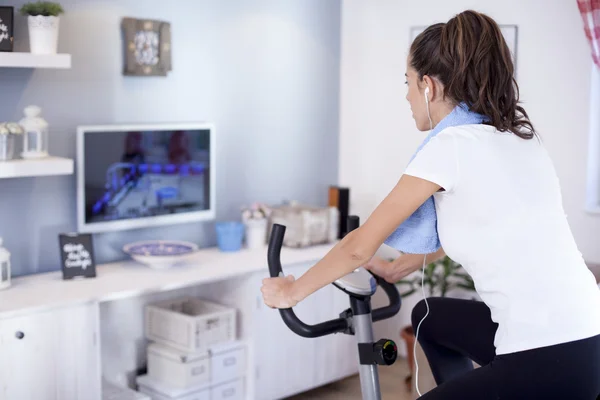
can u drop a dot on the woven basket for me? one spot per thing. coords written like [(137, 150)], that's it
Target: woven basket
[(306, 225)]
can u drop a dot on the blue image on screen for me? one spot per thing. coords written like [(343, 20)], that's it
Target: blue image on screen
[(136, 174)]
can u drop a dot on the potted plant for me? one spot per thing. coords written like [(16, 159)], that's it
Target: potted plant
[(439, 278), (43, 19), (255, 220)]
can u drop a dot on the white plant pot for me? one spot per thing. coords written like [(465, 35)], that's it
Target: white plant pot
[(256, 233), (43, 34)]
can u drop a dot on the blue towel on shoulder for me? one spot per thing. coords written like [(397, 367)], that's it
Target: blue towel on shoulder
[(418, 233)]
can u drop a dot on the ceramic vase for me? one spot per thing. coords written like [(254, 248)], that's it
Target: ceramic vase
[(43, 34)]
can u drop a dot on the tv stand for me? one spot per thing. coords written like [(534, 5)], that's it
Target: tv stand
[(66, 335)]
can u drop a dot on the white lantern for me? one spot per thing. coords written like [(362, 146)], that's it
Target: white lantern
[(4, 267), (35, 135), (8, 132), (7, 143)]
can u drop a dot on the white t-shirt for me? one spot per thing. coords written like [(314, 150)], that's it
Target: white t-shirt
[(501, 217)]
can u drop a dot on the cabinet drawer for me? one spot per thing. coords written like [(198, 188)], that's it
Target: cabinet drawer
[(228, 366), (51, 355), (228, 391)]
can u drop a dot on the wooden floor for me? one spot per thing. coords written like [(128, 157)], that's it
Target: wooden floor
[(391, 382)]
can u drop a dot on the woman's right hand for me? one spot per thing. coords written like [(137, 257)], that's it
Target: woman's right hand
[(404, 265), (382, 268), (401, 267)]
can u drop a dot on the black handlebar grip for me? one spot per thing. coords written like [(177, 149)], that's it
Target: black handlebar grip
[(312, 331), (353, 222), (287, 314), (274, 250), (395, 302)]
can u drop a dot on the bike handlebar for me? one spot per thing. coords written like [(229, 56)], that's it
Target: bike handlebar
[(391, 309), (288, 315), (335, 325)]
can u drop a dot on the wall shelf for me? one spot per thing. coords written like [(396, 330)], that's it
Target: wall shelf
[(48, 166), (28, 60)]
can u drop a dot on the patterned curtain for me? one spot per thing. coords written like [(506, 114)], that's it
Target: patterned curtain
[(590, 13)]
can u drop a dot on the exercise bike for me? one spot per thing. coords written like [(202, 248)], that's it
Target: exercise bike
[(358, 320)]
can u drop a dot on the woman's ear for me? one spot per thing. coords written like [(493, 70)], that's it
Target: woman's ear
[(429, 83)]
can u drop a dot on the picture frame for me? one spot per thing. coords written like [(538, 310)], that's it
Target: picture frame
[(510, 33), (7, 18), (147, 47), (77, 254)]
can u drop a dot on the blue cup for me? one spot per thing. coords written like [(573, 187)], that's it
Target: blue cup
[(230, 235)]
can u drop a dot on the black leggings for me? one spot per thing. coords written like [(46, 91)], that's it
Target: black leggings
[(458, 331)]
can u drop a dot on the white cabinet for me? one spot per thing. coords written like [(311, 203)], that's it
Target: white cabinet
[(52, 351), (287, 363), (52, 355)]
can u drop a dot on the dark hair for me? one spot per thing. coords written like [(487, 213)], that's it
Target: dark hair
[(469, 56)]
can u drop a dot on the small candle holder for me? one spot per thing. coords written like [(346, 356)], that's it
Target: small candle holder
[(8, 133), (35, 136)]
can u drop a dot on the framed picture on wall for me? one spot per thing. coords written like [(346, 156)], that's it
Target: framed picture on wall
[(510, 33), (147, 47), (6, 28)]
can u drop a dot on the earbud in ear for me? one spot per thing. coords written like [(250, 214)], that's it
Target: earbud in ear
[(427, 105)]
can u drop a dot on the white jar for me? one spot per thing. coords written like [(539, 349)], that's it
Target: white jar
[(35, 135), (256, 233), (4, 267)]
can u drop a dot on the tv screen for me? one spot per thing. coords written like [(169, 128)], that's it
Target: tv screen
[(137, 176)]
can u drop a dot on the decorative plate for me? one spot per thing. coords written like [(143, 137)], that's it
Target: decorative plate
[(160, 254)]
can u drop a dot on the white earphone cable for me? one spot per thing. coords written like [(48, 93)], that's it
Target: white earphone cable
[(427, 104), (422, 277), (418, 326)]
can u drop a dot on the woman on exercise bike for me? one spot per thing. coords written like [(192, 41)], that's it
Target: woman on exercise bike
[(499, 213)]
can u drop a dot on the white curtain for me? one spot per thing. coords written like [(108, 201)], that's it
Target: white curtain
[(590, 15)]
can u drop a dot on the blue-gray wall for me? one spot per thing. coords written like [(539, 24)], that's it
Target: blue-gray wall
[(266, 72)]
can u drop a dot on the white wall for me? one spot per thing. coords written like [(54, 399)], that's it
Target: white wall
[(378, 135), (266, 72)]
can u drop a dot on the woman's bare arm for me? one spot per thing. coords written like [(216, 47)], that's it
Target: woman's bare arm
[(359, 246)]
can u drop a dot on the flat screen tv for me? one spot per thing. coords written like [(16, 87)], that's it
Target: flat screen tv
[(135, 176)]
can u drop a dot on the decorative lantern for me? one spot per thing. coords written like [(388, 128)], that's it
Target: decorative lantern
[(35, 137), (8, 131), (7, 143), (4, 267)]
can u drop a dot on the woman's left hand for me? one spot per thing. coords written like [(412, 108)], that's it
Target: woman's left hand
[(277, 292)]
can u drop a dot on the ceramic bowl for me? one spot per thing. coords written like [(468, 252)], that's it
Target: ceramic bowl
[(160, 254)]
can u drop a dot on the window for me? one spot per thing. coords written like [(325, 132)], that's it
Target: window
[(590, 15), (593, 156)]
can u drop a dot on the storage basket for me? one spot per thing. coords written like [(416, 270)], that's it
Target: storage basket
[(227, 362), (190, 324), (176, 368), (306, 225)]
